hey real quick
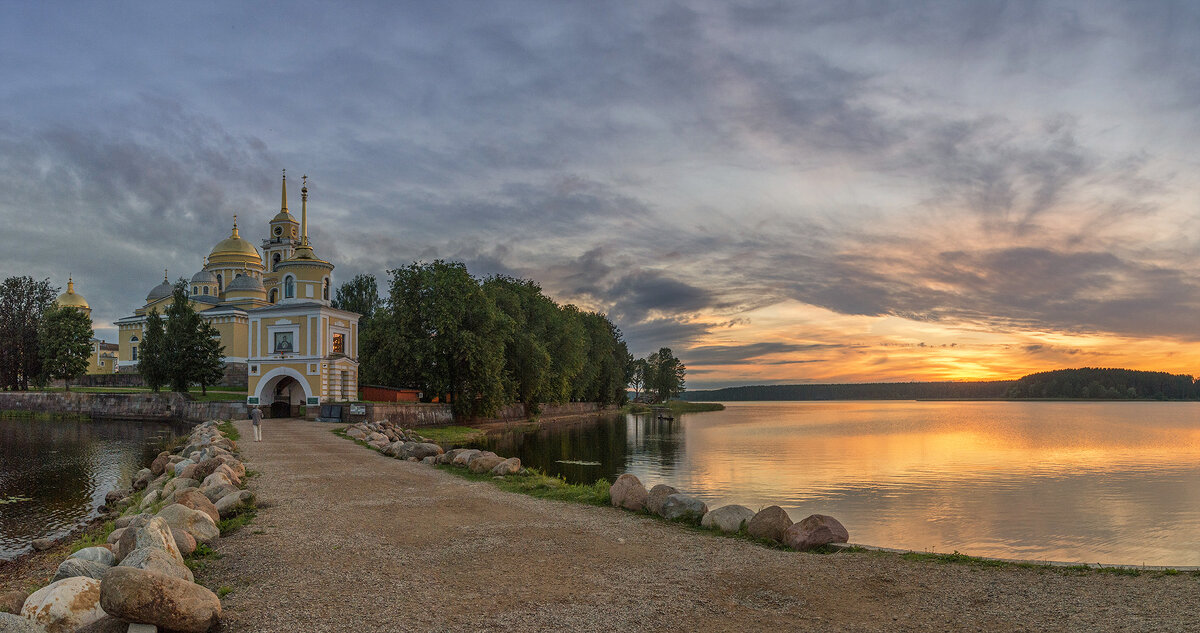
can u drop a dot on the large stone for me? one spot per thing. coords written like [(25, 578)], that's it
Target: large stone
[(137, 595), (196, 500), (73, 567), (142, 479), (43, 544), (814, 531), (12, 601), (376, 437), (464, 457), (155, 533), (178, 483), (184, 542), (356, 432), (113, 496), (182, 465), (150, 498), (101, 555), (207, 467), (448, 456), (156, 560), (658, 496), (681, 507), (485, 463), (628, 492), (10, 623), (114, 537), (510, 466), (728, 518), (65, 605), (234, 464), (133, 520), (769, 523), (189, 472), (159, 465), (198, 524), (107, 624), (217, 479), (216, 492), (421, 450), (229, 505)]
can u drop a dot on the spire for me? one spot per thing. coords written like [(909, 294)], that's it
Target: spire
[(165, 270), (70, 285), (304, 211), (283, 204), (235, 231)]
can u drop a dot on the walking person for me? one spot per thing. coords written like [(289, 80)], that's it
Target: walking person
[(256, 420)]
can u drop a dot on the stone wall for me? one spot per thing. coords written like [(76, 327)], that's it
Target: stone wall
[(404, 414), (107, 380), (124, 406)]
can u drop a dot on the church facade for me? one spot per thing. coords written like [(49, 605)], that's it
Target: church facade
[(103, 357), (273, 312)]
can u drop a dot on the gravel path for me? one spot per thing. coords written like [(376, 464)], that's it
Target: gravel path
[(351, 540)]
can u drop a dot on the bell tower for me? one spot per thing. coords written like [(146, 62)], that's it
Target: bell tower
[(283, 235)]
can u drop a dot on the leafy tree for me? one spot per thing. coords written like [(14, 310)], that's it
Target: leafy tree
[(23, 301), (208, 356), (64, 343), (360, 295), (152, 361), (531, 316), (639, 369), (666, 376)]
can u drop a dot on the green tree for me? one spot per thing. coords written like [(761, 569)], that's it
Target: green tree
[(152, 360), (637, 376), (208, 356), (64, 343), (667, 374), (23, 301), (360, 295)]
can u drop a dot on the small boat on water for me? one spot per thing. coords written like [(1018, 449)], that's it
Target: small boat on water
[(662, 413)]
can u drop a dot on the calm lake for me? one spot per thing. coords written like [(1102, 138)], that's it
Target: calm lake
[(54, 474), (1097, 482)]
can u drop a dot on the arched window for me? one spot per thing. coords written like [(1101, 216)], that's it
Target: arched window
[(274, 295), (195, 290), (289, 287), (220, 284), (206, 290), (274, 261), (325, 291)]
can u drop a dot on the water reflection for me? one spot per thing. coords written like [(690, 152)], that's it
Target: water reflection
[(1096, 482), (54, 474)]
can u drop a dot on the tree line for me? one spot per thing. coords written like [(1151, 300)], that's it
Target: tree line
[(862, 391), (180, 349), (40, 341), (661, 374), (479, 344), (1106, 384)]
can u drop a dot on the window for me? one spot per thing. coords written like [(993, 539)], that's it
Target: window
[(339, 343), (133, 339), (274, 261), (274, 295), (206, 291), (134, 352), (220, 284), (325, 292), (101, 363), (195, 290), (289, 287)]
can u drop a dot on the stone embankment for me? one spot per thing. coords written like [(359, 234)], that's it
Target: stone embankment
[(124, 406), (138, 581), (391, 440)]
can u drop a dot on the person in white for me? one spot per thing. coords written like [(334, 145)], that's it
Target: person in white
[(256, 420)]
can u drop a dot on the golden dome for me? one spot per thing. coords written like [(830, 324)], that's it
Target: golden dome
[(235, 245), (69, 299)]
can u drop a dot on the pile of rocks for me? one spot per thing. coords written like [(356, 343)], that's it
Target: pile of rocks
[(406, 444), (138, 580), (771, 523)]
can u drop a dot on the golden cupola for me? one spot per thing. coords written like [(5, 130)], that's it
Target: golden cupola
[(234, 250), (71, 299)]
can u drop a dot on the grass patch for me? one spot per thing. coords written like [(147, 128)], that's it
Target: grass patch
[(453, 435), (199, 559), (241, 519), (94, 538), (230, 431), (676, 407), (542, 486), (224, 590)]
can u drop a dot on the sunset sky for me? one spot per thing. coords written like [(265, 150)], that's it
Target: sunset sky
[(782, 192)]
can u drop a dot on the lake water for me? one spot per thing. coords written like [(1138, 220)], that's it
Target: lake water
[(54, 474), (1096, 482)]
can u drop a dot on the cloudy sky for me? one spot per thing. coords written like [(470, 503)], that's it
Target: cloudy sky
[(780, 191)]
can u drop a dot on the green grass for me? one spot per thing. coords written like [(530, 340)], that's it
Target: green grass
[(542, 486), (224, 590), (241, 519), (676, 407), (453, 435), (94, 538), (230, 431), (199, 559)]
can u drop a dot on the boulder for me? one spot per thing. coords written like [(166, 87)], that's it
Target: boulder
[(207, 467), (179, 466), (431, 460), (184, 542), (728, 518), (198, 524), (218, 491), (171, 461), (681, 507), (484, 463), (234, 464), (465, 457), (150, 499), (42, 544), (155, 533), (160, 463), (196, 500), (137, 595), (769, 523), (113, 496), (10, 623), (189, 472), (229, 505), (133, 520), (814, 531), (107, 624), (101, 555), (510, 466), (142, 479), (356, 433), (448, 456), (12, 601), (156, 560), (179, 483), (628, 492), (65, 605), (73, 567), (421, 450), (658, 496), (114, 537)]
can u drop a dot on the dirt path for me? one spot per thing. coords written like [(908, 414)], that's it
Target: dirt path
[(351, 540)]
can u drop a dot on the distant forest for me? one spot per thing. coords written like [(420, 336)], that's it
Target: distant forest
[(1086, 383)]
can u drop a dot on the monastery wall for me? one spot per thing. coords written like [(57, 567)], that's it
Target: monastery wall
[(123, 406)]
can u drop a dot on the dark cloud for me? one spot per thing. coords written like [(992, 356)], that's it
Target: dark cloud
[(752, 352)]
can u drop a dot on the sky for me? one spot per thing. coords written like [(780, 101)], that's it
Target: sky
[(781, 192)]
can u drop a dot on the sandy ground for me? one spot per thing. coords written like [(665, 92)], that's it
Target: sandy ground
[(351, 540)]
